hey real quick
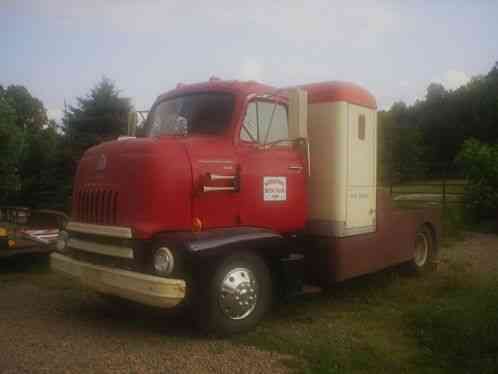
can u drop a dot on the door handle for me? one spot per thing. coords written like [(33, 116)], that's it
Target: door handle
[(295, 167), (215, 177), (213, 189), (235, 185)]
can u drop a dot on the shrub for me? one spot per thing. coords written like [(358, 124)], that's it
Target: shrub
[(480, 164)]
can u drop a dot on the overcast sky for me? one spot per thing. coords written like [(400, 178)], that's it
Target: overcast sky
[(59, 49)]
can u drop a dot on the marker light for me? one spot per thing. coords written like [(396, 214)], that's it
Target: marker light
[(196, 224)]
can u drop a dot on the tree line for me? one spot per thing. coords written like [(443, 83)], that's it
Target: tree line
[(420, 140)]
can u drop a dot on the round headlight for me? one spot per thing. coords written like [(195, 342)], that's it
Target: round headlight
[(164, 261), (61, 243)]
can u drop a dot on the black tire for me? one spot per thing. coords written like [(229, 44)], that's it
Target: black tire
[(210, 314), (423, 251)]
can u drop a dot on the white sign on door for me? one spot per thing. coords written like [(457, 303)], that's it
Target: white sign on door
[(274, 188)]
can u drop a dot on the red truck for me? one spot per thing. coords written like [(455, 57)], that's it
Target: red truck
[(234, 185)]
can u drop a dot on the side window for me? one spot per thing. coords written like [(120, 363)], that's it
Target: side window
[(361, 127), (265, 122), (249, 131)]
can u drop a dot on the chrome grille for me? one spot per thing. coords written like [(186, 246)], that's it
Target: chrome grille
[(96, 204)]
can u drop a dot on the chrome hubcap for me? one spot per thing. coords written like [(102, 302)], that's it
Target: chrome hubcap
[(238, 294), (421, 249)]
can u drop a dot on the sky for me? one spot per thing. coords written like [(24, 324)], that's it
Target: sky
[(59, 49)]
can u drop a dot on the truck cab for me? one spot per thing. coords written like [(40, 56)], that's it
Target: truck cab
[(232, 182)]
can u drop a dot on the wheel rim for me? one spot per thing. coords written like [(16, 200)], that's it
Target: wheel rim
[(238, 293), (421, 249)]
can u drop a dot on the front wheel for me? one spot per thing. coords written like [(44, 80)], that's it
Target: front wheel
[(234, 295)]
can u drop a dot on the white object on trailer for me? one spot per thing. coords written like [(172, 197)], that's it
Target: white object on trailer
[(343, 181)]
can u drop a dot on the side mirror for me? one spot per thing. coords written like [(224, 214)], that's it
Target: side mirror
[(181, 125), (132, 123), (298, 122)]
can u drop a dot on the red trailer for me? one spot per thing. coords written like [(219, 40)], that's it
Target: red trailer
[(234, 184)]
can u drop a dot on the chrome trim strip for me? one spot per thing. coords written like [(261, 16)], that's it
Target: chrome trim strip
[(101, 249), (215, 177), (216, 161), (213, 189), (88, 228)]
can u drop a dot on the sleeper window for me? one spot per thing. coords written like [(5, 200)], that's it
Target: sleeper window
[(361, 127)]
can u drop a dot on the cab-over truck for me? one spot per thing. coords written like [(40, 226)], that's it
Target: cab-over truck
[(234, 184)]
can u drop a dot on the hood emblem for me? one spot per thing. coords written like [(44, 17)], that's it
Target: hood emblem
[(101, 163)]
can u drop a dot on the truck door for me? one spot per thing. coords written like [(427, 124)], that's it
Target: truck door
[(271, 171)]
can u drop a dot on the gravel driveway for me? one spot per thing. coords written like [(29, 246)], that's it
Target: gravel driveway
[(50, 325)]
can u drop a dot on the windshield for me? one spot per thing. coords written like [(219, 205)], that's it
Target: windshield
[(202, 113)]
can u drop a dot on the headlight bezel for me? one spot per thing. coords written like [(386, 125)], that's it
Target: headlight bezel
[(167, 266)]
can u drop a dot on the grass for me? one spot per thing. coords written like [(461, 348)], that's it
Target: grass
[(431, 186), (358, 327), (460, 331)]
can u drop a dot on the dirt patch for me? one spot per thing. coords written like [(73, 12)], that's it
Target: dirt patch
[(478, 253)]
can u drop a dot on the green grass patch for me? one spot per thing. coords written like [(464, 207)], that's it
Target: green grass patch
[(357, 327), (430, 187), (459, 331)]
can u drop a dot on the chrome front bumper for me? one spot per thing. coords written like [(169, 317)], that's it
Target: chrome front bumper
[(142, 288)]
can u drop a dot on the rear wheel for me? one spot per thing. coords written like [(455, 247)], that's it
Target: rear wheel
[(423, 250), (235, 295)]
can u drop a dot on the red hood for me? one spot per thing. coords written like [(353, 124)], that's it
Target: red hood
[(145, 184)]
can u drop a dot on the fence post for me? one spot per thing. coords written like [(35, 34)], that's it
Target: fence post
[(444, 188)]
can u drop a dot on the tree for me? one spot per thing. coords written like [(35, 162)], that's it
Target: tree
[(435, 92), (31, 113), (36, 168), (101, 115), (400, 144), (28, 146), (10, 145)]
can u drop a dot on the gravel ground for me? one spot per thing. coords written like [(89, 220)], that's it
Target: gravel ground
[(48, 325)]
